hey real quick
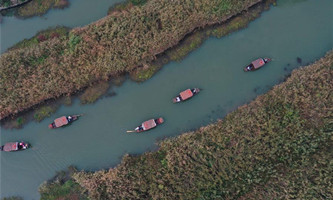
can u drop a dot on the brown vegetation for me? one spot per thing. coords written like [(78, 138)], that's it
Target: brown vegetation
[(40, 7), (278, 146), (94, 92), (62, 187), (116, 44)]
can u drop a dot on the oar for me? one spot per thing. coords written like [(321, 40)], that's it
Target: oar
[(79, 115), (130, 131)]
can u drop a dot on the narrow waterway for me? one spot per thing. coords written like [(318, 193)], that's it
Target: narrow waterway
[(79, 13), (99, 139)]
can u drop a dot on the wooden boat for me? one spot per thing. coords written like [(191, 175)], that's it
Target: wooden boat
[(257, 64), (147, 125), (14, 146), (189, 93), (63, 121)]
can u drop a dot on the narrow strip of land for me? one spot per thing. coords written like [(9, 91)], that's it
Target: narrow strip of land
[(117, 44), (279, 145), (5, 5), (30, 8)]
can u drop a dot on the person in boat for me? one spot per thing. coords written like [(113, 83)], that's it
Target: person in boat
[(21, 145), (250, 67), (178, 99), (194, 91), (139, 128), (69, 118), (52, 125), (266, 60)]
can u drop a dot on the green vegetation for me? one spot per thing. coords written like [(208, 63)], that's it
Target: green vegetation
[(40, 7), (125, 6), (138, 2), (43, 112), (14, 123), (49, 34), (193, 41), (62, 187), (189, 44), (67, 100), (114, 45), (278, 146), (92, 93), (144, 73), (67, 191), (8, 3)]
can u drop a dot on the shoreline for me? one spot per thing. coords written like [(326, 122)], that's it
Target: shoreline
[(14, 6), (266, 149), (31, 8), (234, 23)]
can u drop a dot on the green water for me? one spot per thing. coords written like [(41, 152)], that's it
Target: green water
[(99, 139)]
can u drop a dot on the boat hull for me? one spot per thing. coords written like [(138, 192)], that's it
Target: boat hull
[(14, 146), (143, 128), (178, 98), (257, 64), (70, 119)]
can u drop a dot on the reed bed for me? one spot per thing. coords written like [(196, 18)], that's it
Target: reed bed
[(47, 68), (277, 147)]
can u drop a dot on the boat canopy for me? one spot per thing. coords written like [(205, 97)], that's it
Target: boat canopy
[(60, 121), (148, 124), (186, 94), (258, 63), (11, 146)]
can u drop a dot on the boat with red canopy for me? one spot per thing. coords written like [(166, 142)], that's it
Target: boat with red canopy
[(63, 121), (147, 125), (184, 95), (14, 146), (257, 64)]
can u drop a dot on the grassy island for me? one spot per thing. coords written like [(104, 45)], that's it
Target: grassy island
[(123, 41), (30, 8), (278, 146)]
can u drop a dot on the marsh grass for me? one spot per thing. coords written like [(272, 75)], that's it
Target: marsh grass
[(193, 41), (278, 146), (116, 44), (144, 73), (43, 112), (93, 93), (48, 34), (40, 7), (67, 100), (62, 187)]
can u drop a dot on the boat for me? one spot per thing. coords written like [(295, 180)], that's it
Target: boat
[(63, 121), (257, 64), (183, 96), (14, 146), (147, 125)]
